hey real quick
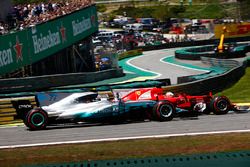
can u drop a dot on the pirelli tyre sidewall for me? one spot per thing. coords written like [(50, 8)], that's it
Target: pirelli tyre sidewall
[(164, 111), (220, 105), (36, 119)]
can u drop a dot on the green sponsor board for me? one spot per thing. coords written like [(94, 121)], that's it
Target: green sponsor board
[(31, 45), (13, 51)]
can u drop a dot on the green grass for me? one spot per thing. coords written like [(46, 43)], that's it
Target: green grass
[(209, 10), (205, 11), (239, 92), (185, 145)]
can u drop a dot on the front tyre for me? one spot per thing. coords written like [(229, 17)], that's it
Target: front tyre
[(36, 119), (164, 111), (220, 105)]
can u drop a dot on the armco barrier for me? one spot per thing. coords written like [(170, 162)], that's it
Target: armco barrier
[(47, 81), (221, 65), (8, 113), (233, 159), (212, 84), (194, 53), (224, 63)]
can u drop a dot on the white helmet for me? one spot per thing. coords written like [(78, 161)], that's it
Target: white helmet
[(169, 94)]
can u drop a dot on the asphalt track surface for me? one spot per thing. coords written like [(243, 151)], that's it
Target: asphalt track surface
[(153, 61), (19, 136)]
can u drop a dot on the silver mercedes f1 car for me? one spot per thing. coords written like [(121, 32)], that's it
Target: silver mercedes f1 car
[(91, 107)]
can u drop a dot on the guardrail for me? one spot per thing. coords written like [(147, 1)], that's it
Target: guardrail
[(46, 81), (212, 84), (224, 63), (220, 66), (232, 159)]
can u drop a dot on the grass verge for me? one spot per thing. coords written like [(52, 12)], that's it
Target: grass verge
[(125, 149), (239, 92)]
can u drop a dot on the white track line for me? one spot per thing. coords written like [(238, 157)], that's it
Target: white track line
[(161, 60), (128, 62), (125, 138)]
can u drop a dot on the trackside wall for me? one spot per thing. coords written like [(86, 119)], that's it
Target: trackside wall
[(47, 81), (212, 84)]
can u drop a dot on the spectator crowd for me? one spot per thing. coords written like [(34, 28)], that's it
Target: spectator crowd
[(28, 15)]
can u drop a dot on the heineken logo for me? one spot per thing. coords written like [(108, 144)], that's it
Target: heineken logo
[(63, 33), (43, 42), (18, 49), (79, 26), (6, 56)]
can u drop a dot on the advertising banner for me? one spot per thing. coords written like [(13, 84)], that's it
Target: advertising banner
[(14, 52), (43, 40), (232, 30)]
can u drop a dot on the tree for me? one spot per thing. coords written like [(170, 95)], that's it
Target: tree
[(175, 10), (162, 12), (101, 8), (244, 6)]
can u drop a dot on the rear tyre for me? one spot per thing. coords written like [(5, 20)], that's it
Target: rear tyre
[(220, 105), (163, 111), (36, 119)]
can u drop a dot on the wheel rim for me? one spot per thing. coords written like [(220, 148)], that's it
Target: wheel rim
[(37, 119), (222, 105), (166, 110)]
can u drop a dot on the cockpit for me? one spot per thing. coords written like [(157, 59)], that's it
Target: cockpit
[(87, 98)]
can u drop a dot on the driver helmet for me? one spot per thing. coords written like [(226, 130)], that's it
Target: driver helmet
[(169, 94)]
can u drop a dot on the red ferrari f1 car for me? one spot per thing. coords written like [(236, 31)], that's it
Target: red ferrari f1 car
[(203, 103)]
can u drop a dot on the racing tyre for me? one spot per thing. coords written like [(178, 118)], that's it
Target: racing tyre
[(36, 119), (164, 111), (220, 105)]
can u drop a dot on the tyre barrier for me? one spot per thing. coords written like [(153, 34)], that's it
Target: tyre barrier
[(9, 111), (231, 159)]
